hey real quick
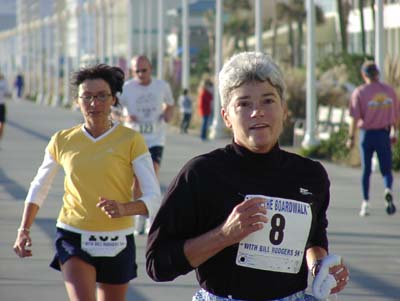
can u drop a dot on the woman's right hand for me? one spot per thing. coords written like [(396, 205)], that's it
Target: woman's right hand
[(22, 244), (246, 218)]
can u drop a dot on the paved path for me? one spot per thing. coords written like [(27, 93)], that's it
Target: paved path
[(370, 246)]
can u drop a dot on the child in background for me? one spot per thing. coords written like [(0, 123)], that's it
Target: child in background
[(185, 104)]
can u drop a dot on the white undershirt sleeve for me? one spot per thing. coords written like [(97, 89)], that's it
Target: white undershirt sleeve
[(41, 183), (151, 193)]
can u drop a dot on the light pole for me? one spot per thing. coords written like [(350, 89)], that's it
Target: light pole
[(217, 127), (141, 27), (310, 134), (111, 24), (258, 24), (39, 62), (48, 41), (160, 52), (102, 30), (129, 7), (379, 38), (149, 27), (56, 60), (185, 45), (67, 56)]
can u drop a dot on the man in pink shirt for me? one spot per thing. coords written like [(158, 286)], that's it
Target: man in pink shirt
[(374, 109)]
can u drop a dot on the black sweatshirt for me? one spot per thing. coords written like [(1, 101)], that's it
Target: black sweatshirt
[(202, 196)]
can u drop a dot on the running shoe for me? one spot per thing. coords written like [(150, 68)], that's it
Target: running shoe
[(364, 209), (390, 208)]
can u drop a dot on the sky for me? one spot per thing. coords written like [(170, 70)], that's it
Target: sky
[(7, 6), (7, 14)]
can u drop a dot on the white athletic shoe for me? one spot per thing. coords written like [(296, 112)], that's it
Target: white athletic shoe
[(364, 209)]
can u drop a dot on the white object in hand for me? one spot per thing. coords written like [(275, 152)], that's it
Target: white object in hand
[(323, 281)]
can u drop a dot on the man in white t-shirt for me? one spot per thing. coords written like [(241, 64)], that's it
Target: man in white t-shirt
[(147, 105)]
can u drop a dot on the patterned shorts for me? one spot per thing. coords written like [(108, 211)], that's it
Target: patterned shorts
[(203, 295)]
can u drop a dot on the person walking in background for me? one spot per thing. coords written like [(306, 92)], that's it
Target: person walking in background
[(148, 105), (374, 109), (185, 104), (250, 226), (4, 92), (19, 84), (204, 101), (94, 238)]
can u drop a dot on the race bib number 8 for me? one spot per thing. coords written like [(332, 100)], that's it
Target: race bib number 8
[(279, 246)]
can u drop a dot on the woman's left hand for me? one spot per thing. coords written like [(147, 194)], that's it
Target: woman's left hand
[(111, 208), (341, 274)]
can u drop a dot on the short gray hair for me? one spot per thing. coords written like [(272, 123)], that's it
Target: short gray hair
[(248, 67)]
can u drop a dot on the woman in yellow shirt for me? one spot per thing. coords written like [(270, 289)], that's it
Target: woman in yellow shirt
[(94, 241)]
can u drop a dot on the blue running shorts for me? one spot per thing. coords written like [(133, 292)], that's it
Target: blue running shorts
[(119, 269)]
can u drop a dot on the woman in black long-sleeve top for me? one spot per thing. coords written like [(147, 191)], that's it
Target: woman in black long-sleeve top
[(250, 218)]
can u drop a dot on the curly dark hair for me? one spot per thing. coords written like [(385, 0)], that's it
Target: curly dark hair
[(114, 76)]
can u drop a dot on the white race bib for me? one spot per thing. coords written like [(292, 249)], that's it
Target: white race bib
[(279, 246), (146, 128), (105, 244)]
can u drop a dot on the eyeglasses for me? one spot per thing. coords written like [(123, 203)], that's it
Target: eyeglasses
[(100, 97), (141, 70)]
